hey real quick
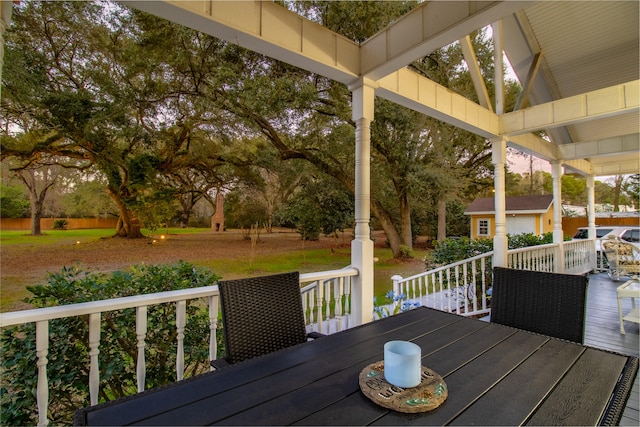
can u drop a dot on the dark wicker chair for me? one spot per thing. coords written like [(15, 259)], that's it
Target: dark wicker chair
[(261, 315), (546, 303)]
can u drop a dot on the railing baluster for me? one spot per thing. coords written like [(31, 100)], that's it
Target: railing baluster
[(474, 276), (305, 308), (319, 295), (483, 270), (456, 282), (94, 351), (338, 290), (213, 328), (42, 391), (327, 309), (141, 332), (465, 281), (347, 302), (441, 288), (312, 300), (181, 319)]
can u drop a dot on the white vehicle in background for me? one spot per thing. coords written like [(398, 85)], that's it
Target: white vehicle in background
[(628, 233)]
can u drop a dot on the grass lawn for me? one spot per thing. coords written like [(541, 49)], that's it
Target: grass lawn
[(48, 237), (26, 259)]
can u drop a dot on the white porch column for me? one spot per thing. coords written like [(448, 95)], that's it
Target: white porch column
[(499, 158), (591, 215), (591, 206), (500, 242), (362, 246), (498, 65), (558, 235)]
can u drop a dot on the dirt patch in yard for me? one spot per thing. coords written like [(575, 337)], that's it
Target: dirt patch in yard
[(24, 265)]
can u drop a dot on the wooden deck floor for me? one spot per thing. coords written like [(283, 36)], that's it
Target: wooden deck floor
[(602, 330)]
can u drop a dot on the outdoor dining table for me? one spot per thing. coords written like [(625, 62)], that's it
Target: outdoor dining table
[(494, 375)]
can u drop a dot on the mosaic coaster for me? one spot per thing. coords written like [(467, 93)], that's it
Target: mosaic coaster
[(427, 396)]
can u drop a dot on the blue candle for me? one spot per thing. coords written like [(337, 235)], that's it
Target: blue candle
[(402, 363)]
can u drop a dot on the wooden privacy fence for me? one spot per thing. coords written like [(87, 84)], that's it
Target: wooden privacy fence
[(9, 224), (570, 225)]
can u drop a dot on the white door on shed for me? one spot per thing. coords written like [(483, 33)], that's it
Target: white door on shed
[(521, 224)]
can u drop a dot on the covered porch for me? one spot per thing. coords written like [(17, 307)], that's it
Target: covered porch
[(578, 64)]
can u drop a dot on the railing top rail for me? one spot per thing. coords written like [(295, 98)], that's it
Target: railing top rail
[(448, 266), (50, 313), (533, 248), (80, 309), (477, 257), (348, 271)]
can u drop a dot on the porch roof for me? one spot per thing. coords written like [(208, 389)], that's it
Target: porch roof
[(578, 62), (514, 205)]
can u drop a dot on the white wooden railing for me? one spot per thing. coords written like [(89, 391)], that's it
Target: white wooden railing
[(321, 293), (464, 286), (326, 299), (579, 256), (453, 287)]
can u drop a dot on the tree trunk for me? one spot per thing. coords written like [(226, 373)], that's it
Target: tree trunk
[(36, 198), (128, 224), (442, 220), (187, 202), (531, 175), (36, 211), (389, 227), (36, 229), (617, 189), (405, 221)]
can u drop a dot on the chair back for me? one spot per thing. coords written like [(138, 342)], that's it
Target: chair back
[(261, 315), (546, 303)]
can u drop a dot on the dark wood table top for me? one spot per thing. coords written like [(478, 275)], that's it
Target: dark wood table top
[(495, 375)]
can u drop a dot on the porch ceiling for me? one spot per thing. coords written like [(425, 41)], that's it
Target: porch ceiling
[(585, 46), (585, 94)]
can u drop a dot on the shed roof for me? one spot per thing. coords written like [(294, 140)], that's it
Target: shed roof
[(515, 204)]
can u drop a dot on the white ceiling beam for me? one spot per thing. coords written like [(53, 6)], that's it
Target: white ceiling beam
[(428, 27), (628, 167), (626, 144), (267, 28), (476, 75), (583, 167), (523, 98), (535, 145), (607, 102), (412, 90)]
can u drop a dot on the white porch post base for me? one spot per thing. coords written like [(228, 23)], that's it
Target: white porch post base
[(362, 292)]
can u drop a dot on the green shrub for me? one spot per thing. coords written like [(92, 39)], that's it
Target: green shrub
[(68, 355), (452, 250), (406, 252), (525, 240), (60, 224)]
